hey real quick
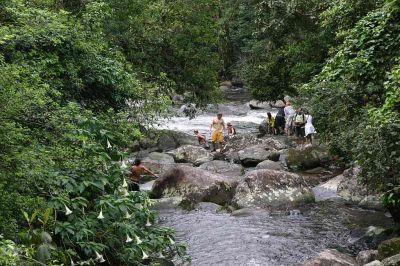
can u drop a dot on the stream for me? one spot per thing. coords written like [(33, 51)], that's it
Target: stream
[(256, 237)]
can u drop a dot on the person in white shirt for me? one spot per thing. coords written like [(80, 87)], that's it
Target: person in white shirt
[(289, 113)]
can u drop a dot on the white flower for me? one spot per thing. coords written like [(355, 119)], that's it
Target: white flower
[(99, 257), (126, 193), (100, 214), (171, 241), (138, 240), (128, 239), (108, 144), (67, 210), (123, 165), (124, 184), (128, 216), (139, 206), (148, 222), (72, 263), (161, 256), (145, 256)]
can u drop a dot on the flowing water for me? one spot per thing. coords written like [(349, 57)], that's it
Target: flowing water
[(258, 237)]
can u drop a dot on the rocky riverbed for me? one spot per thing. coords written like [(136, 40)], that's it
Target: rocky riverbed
[(261, 200)]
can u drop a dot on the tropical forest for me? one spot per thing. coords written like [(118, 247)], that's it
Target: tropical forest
[(208, 132)]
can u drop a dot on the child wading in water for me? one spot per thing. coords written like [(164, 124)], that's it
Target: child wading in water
[(201, 139)]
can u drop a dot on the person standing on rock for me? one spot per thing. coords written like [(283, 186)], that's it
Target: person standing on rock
[(279, 124), (137, 170), (299, 121), (217, 131), (289, 113)]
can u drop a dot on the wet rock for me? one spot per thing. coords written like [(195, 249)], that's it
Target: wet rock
[(254, 104), (263, 128), (222, 167), (158, 162), (249, 212), (208, 206), (351, 190), (232, 156), (331, 257), (272, 189), (191, 154), (251, 156), (195, 185), (167, 203), (328, 190), (268, 164), (368, 237), (374, 263), (366, 256), (392, 261), (307, 158), (389, 247)]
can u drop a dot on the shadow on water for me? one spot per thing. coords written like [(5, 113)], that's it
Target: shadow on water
[(262, 238)]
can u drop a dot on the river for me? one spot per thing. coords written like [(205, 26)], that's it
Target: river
[(259, 237)]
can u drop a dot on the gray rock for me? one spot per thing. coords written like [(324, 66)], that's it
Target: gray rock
[(392, 261), (191, 154), (225, 168), (366, 256), (389, 247), (254, 104), (374, 263), (331, 257), (272, 189), (158, 162), (328, 190), (275, 143), (352, 191), (369, 237), (208, 206), (169, 140), (167, 203), (195, 185), (307, 158), (251, 156), (268, 164)]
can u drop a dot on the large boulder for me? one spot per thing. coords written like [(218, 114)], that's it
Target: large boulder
[(275, 143), (368, 237), (389, 247), (392, 261), (272, 189), (158, 162), (223, 167), (169, 140), (307, 158), (253, 155), (195, 185), (331, 257), (270, 165), (366, 256), (352, 191), (328, 190), (191, 154)]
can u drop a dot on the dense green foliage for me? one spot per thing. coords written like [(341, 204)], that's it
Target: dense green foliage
[(78, 79), (356, 97)]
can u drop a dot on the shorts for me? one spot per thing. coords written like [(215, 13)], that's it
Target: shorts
[(300, 131), (217, 136)]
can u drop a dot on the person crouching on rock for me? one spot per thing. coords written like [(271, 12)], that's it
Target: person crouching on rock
[(201, 139), (217, 131), (137, 170), (231, 130)]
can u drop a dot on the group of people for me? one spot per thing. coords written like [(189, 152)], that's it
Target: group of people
[(217, 128), (290, 121), (287, 121)]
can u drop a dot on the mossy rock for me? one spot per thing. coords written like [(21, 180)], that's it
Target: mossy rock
[(389, 248), (308, 158)]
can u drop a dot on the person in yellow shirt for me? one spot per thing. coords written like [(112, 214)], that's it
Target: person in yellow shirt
[(217, 131)]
